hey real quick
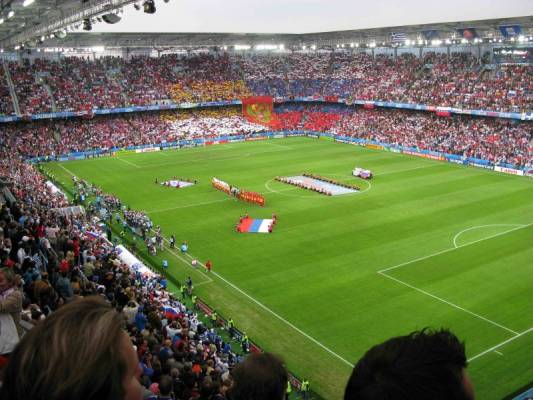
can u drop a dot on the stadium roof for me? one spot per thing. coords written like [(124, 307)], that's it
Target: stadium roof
[(211, 26), (486, 28)]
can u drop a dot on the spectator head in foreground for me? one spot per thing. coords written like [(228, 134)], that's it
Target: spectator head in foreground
[(260, 377), (421, 365), (78, 352)]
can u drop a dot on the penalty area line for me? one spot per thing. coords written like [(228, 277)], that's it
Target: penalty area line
[(383, 273), (493, 348), (482, 226), (453, 248), (448, 302)]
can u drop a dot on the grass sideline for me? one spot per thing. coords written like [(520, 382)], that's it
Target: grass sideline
[(319, 270)]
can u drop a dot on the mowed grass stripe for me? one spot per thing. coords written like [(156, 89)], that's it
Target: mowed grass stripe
[(318, 269)]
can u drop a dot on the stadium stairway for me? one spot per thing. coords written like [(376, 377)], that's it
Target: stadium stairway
[(12, 92), (51, 94)]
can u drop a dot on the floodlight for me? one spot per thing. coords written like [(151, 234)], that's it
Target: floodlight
[(111, 18), (62, 34), (149, 7), (87, 24)]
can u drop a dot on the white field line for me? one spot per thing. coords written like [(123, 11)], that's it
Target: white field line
[(312, 339), (409, 169), (221, 147), (448, 302), (478, 227), (175, 254), (497, 352), (205, 149), (493, 348), (453, 248), (176, 162), (189, 205), (212, 159), (207, 202), (128, 162), (203, 283), (382, 272), (67, 170), (277, 145)]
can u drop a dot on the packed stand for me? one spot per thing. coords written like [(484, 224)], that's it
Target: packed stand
[(58, 137), (28, 82), (494, 140), (147, 80), (461, 80), (78, 84), (6, 103), (62, 257), (209, 77)]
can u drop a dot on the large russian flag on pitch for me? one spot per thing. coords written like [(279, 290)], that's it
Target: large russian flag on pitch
[(255, 225)]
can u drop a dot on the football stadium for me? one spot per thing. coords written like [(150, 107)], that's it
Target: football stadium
[(285, 200)]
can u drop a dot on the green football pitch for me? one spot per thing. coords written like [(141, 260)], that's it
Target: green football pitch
[(424, 244)]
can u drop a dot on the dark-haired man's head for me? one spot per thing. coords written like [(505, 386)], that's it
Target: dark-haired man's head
[(165, 385), (422, 365), (259, 377)]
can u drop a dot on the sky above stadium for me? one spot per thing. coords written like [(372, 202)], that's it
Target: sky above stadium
[(305, 16)]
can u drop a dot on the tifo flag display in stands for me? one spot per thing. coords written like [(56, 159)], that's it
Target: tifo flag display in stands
[(396, 37), (258, 109), (510, 30)]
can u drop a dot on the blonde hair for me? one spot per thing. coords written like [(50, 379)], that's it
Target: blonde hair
[(73, 354)]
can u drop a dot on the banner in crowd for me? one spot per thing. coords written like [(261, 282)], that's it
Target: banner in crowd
[(72, 211), (274, 122), (133, 263), (259, 109), (510, 171), (54, 189), (510, 30)]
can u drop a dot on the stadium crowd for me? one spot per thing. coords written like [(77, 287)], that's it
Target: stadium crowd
[(495, 140), (491, 139), (51, 257), (6, 103), (56, 137), (460, 80)]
